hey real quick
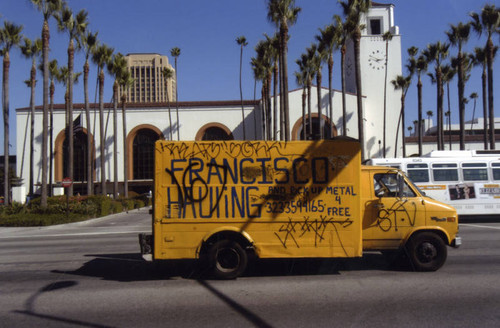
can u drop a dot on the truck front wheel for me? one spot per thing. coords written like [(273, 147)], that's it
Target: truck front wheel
[(227, 259), (427, 251)]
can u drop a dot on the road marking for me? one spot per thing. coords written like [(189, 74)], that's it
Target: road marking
[(77, 234), (479, 226)]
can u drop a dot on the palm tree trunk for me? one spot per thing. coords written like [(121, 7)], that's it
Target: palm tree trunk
[(169, 116), (125, 149), (285, 84), (32, 127), (45, 123), (330, 95), (419, 124), (491, 110), (115, 140), (361, 130), (309, 135), (71, 160), (485, 108), (461, 103), (241, 97), (177, 101), (51, 138), (90, 177), (275, 101), (304, 98), (101, 132), (5, 93), (320, 110), (439, 109), (282, 92), (342, 73)]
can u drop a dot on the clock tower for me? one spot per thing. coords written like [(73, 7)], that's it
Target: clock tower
[(380, 63)]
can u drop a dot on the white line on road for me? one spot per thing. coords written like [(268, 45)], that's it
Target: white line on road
[(479, 226), (76, 234)]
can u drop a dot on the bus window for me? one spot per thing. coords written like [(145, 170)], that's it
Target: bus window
[(418, 172), (496, 170), (445, 172), (475, 171)]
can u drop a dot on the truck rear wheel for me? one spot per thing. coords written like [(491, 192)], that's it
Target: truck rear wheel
[(427, 251), (228, 260)]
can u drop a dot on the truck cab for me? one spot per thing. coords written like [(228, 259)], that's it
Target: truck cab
[(399, 217)]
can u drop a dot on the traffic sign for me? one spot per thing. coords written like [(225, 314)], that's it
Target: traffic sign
[(67, 182)]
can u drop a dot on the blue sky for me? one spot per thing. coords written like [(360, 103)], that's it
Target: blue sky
[(205, 31)]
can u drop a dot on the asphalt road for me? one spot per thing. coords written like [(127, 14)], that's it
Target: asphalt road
[(90, 274)]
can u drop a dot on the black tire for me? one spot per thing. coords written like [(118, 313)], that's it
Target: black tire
[(227, 259), (427, 251)]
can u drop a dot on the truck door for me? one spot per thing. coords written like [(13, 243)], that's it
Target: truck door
[(394, 208)]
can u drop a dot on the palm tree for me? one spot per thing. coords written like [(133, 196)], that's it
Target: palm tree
[(283, 13), (458, 35), (401, 83), (410, 128), (75, 27), (308, 71), (479, 59), (116, 67), (53, 75), (342, 31), (473, 96), (260, 74), (317, 57), (31, 50), (447, 114), (437, 53), (353, 11), (387, 36), (89, 43), (273, 52), (168, 74), (329, 40), (176, 52), (418, 65), (10, 36), (101, 57), (429, 114), (264, 51), (301, 80), (242, 42), (125, 81), (48, 9), (448, 75), (488, 21)]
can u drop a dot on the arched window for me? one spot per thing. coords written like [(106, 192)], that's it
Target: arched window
[(328, 132), (215, 133), (79, 157), (143, 150)]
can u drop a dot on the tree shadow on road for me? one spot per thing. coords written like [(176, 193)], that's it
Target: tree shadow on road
[(131, 267)]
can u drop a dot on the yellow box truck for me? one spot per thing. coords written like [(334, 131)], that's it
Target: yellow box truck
[(220, 200)]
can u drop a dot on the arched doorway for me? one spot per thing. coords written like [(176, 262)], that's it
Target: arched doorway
[(329, 129), (214, 131), (79, 159), (143, 149)]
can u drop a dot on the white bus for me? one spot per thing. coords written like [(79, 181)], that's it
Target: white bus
[(467, 180)]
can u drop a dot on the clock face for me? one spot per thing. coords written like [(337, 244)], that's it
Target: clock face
[(376, 60)]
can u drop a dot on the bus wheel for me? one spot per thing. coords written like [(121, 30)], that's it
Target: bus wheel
[(427, 251), (227, 259)]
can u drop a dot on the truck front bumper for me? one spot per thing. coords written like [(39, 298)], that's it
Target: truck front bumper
[(457, 242), (145, 241)]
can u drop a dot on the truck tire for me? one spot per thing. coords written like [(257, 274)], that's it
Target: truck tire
[(227, 259), (427, 251)]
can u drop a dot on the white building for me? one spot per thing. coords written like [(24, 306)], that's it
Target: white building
[(211, 120)]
